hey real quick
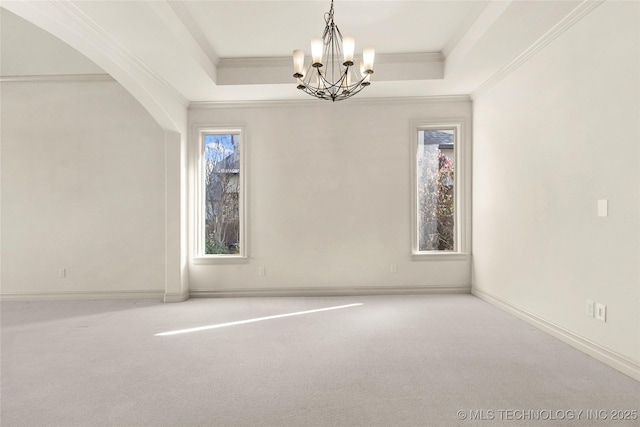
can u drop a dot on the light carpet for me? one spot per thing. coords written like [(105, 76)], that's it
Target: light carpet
[(429, 360)]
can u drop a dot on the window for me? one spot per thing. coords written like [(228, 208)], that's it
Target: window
[(437, 218), (221, 190)]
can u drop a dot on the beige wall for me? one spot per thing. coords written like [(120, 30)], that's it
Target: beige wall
[(555, 136), (82, 189), (329, 197)]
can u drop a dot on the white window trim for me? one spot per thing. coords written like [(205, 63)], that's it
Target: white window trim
[(462, 153), (198, 240)]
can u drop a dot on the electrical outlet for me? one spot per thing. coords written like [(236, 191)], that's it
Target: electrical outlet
[(601, 312), (261, 271), (394, 268), (589, 307), (62, 273)]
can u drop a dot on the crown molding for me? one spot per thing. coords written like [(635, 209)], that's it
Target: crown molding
[(285, 61), (470, 33), (470, 25), (312, 102), (279, 70), (274, 61), (102, 39), (59, 78), (180, 24), (409, 58), (582, 10), (181, 11)]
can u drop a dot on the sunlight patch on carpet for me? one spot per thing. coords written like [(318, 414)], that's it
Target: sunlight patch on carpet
[(257, 319)]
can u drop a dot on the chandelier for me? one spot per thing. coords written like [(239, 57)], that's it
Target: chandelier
[(332, 74)]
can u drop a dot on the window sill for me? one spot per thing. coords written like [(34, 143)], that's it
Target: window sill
[(440, 256), (220, 259)]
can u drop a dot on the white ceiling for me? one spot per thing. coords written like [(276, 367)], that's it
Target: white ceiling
[(241, 50), (275, 28)]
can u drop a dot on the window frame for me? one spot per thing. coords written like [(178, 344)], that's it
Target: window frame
[(461, 190), (199, 255)]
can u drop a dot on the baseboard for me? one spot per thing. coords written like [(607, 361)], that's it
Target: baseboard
[(329, 291), (248, 292), (183, 296), (80, 295), (604, 355)]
